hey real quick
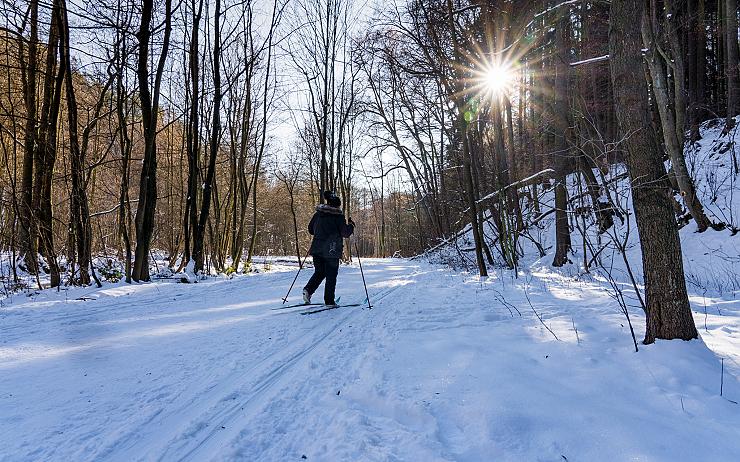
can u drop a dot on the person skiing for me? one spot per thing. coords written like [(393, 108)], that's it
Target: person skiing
[(328, 227)]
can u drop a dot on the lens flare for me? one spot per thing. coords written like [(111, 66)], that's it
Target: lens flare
[(498, 78)]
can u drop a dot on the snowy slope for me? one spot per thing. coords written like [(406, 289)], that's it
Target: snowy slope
[(439, 369), (711, 259)]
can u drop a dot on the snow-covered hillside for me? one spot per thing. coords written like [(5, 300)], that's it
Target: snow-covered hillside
[(711, 259)]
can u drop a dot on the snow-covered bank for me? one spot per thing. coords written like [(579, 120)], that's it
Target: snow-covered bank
[(440, 369)]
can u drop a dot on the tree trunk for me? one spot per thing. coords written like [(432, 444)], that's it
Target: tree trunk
[(199, 234), (125, 145), (295, 227), (29, 64), (149, 114), (671, 119), (123, 199), (471, 197), (667, 305), (46, 145), (458, 84), (80, 212), (732, 66), (701, 64), (513, 195), (561, 154), (190, 216), (263, 135), (693, 42)]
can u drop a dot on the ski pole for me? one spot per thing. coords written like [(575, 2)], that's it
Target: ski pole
[(300, 267), (357, 250)]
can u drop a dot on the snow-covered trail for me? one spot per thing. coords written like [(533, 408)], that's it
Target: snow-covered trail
[(148, 371), (439, 369)]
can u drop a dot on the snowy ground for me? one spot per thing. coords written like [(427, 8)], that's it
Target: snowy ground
[(444, 367), (439, 369)]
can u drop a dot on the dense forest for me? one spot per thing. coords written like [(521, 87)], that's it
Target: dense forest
[(207, 131)]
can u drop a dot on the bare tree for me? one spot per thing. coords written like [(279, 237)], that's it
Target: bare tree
[(290, 175), (149, 100), (672, 113), (732, 68), (668, 311), (215, 141)]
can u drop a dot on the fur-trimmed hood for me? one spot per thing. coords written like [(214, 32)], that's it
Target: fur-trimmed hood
[(326, 208)]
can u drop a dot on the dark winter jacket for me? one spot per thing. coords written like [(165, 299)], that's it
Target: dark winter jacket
[(328, 227)]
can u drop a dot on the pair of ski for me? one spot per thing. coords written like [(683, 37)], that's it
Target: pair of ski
[(318, 310)]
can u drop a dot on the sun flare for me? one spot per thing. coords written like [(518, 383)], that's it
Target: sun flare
[(498, 78)]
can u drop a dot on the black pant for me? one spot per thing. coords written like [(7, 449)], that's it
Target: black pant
[(324, 268)]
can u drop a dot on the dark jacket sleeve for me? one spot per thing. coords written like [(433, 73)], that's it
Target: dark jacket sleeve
[(311, 224), (347, 230)]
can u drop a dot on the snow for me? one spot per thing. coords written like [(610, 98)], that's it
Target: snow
[(590, 60), (445, 367), (439, 369)]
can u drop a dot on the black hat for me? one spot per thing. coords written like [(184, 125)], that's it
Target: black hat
[(332, 199)]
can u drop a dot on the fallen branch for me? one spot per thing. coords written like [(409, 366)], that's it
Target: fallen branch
[(523, 183), (526, 295)]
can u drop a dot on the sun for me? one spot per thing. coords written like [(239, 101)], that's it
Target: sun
[(498, 78)]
